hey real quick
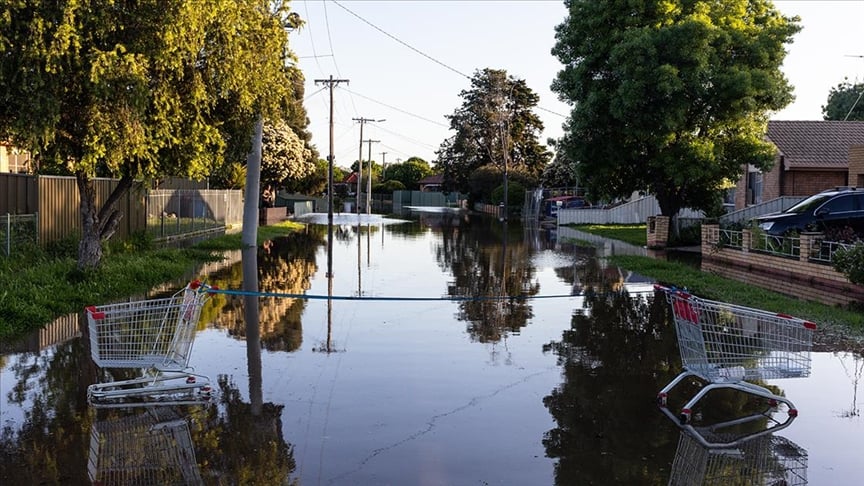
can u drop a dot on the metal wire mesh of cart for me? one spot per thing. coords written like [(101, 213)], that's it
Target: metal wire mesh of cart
[(152, 448), (723, 342), (154, 333), (767, 459)]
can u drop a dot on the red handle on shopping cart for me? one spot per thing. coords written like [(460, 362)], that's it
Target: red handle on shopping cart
[(681, 306)]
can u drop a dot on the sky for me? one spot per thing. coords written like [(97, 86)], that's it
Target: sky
[(406, 61)]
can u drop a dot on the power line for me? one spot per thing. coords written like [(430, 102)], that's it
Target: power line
[(418, 51), (424, 144), (312, 38), (400, 109)]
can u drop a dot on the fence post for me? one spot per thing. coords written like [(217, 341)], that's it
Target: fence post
[(8, 234)]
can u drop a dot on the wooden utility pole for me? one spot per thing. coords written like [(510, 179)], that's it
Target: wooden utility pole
[(331, 83), (362, 120), (383, 165), (369, 177)]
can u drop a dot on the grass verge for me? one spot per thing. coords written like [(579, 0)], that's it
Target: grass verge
[(635, 234), (714, 287), (41, 285)]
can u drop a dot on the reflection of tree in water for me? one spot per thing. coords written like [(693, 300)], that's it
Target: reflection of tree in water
[(51, 445), (618, 353), (615, 357), (237, 447), (286, 267), (485, 268)]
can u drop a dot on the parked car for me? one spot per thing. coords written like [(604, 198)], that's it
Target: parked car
[(834, 208)]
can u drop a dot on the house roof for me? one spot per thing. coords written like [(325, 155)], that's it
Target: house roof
[(351, 179), (432, 179), (815, 144)]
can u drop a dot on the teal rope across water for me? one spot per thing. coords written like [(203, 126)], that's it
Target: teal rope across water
[(384, 298)]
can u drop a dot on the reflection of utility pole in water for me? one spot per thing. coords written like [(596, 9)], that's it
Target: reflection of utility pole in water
[(855, 376), (250, 271), (359, 258), (368, 245)]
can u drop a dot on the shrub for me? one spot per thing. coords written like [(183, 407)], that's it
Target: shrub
[(850, 262)]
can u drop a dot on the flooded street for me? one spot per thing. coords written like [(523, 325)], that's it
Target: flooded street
[(454, 385)]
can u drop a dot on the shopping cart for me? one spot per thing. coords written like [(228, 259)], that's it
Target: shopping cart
[(767, 459), (153, 335), (727, 345), (152, 448)]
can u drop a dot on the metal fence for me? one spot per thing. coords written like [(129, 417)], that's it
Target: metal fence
[(18, 231), (634, 212), (184, 211), (750, 212)]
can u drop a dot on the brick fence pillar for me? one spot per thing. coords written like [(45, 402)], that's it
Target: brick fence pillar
[(745, 240), (658, 231), (807, 239), (710, 237)]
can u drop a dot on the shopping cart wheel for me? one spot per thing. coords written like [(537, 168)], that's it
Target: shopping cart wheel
[(793, 412), (685, 415), (662, 399), (190, 379)]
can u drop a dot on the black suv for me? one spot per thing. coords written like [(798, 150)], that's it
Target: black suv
[(834, 208)]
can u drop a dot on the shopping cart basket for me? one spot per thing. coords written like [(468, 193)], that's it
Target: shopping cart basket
[(154, 335), (153, 448), (767, 459), (728, 345)]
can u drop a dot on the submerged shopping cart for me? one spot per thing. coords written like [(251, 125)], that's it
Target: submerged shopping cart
[(151, 448), (729, 346), (767, 459), (152, 335)]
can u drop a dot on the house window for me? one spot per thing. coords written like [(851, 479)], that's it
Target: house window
[(754, 187)]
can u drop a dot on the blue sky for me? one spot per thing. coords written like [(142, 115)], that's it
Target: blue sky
[(375, 45)]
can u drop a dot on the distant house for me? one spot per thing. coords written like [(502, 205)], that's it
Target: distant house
[(14, 160), (431, 183), (812, 156), (351, 183)]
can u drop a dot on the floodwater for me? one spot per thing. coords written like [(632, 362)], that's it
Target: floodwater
[(558, 388)]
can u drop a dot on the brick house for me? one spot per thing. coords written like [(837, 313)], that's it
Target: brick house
[(812, 156), (431, 183)]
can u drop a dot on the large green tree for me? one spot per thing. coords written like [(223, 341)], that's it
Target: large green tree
[(409, 172), (670, 97), (845, 102), (137, 89), (495, 126)]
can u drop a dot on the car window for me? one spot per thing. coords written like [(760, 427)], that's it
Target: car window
[(841, 204), (808, 204)]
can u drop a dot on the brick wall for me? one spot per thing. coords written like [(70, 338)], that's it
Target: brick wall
[(771, 181), (856, 166), (805, 183), (797, 277)]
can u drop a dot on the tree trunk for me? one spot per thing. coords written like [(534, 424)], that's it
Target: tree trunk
[(90, 246), (97, 225)]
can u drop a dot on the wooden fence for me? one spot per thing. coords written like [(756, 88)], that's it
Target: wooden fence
[(57, 202)]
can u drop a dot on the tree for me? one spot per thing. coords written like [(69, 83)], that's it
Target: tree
[(561, 172), (670, 98), (285, 157), (844, 102), (409, 172), (139, 89), (494, 126)]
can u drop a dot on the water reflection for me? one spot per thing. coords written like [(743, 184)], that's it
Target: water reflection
[(768, 459), (153, 447), (418, 400), (619, 348), (285, 266)]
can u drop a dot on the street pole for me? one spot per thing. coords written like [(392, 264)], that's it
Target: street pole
[(362, 120), (369, 176), (383, 165), (331, 83)]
